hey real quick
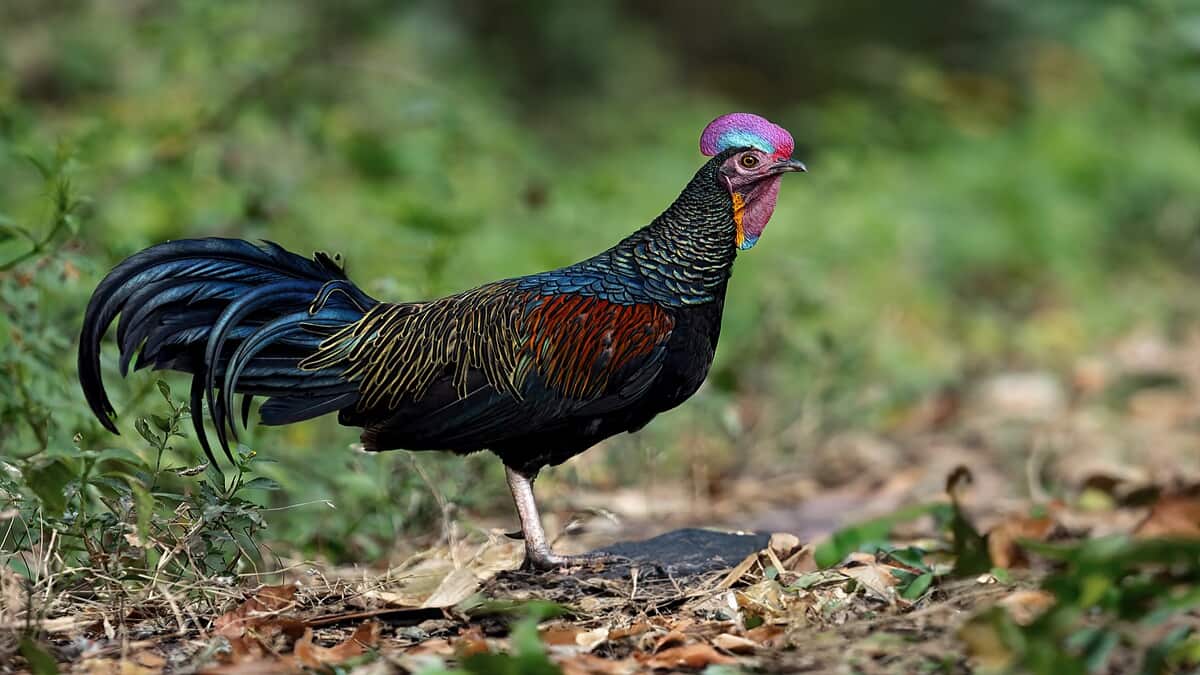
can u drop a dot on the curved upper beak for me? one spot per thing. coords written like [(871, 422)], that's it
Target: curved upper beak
[(789, 165)]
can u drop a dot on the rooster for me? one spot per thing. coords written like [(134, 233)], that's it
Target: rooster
[(535, 369)]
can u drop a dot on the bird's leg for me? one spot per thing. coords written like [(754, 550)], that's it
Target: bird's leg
[(537, 550)]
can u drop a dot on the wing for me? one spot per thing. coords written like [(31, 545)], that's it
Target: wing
[(498, 360)]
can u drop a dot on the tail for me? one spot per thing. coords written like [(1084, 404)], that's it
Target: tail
[(238, 316)]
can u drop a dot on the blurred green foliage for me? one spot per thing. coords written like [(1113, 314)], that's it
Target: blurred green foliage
[(1108, 591), (1112, 591), (992, 183)]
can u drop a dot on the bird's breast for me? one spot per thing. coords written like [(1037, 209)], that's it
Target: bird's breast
[(690, 354)]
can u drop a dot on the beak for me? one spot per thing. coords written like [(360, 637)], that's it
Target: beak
[(790, 165)]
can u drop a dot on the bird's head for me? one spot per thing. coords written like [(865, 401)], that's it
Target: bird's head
[(754, 155)]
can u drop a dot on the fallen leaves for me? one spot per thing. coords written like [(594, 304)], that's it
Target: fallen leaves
[(872, 575), (739, 571), (259, 610), (695, 656), (365, 637), (14, 601), (674, 642), (1172, 516), (1003, 540), (305, 654), (591, 639), (146, 662), (443, 577), (589, 664), (1025, 606), (259, 632), (735, 644), (633, 630), (672, 639), (769, 601)]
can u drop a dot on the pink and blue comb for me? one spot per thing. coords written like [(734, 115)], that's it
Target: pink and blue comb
[(746, 130)]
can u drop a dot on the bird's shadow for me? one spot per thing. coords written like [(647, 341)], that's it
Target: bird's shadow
[(677, 556), (682, 553)]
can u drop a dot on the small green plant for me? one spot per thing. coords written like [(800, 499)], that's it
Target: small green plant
[(65, 217), (110, 511), (1109, 591), (115, 525), (872, 535), (115, 511)]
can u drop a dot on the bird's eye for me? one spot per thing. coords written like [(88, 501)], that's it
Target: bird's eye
[(749, 161)]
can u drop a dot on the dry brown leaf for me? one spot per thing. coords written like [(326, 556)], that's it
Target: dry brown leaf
[(259, 666), (707, 630), (365, 637), (256, 649), (1026, 606), (444, 576), (265, 632), (62, 624), (765, 634), (802, 561), (736, 573), (630, 631), (1174, 516), (471, 642), (434, 647), (252, 630), (734, 643), (243, 649), (458, 585), (765, 597), (589, 664), (149, 659), (860, 558), (1002, 540), (680, 624), (672, 639), (590, 639), (697, 655), (13, 597), (559, 635), (266, 603), (784, 544), (775, 561), (874, 577), (143, 663), (593, 606)]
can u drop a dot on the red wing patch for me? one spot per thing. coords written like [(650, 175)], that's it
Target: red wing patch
[(577, 342)]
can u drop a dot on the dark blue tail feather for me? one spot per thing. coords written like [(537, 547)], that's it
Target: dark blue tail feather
[(238, 316)]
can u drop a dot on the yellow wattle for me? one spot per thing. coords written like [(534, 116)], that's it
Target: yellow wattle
[(739, 206)]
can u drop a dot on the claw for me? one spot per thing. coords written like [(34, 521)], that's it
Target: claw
[(547, 561)]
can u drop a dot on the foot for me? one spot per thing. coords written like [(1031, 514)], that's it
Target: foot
[(538, 555), (546, 561)]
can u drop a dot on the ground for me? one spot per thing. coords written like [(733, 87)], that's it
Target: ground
[(875, 565)]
